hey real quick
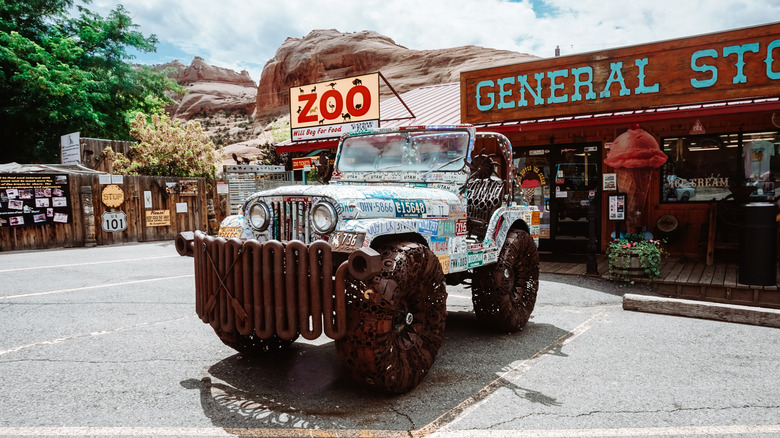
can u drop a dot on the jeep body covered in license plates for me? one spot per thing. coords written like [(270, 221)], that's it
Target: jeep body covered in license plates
[(365, 259)]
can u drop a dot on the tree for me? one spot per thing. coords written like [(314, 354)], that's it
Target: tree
[(61, 74), (166, 147)]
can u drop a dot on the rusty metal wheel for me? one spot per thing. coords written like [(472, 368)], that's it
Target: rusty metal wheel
[(395, 321), (251, 345), (504, 294)]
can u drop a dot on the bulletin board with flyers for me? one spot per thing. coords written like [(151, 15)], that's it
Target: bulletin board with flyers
[(34, 199)]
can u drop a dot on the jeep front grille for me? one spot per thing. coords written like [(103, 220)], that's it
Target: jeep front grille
[(290, 220)]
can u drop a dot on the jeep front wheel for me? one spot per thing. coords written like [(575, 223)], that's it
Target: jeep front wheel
[(251, 345), (395, 320), (504, 294)]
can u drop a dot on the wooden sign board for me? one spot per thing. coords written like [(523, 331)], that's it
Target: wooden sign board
[(158, 218), (112, 196), (332, 108), (738, 64)]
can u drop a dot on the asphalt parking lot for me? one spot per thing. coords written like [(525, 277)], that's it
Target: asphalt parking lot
[(104, 342)]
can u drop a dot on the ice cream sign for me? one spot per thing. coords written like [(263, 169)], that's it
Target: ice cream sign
[(332, 108), (742, 63)]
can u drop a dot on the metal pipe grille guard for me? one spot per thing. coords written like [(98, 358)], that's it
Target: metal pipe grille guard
[(270, 288)]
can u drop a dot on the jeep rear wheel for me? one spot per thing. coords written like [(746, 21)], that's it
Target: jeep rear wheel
[(504, 294), (395, 320)]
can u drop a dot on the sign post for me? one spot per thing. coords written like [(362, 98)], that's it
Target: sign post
[(304, 164)]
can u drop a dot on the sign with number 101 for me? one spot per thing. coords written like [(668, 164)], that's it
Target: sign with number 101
[(113, 221)]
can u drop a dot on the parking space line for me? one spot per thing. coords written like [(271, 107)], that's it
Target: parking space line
[(617, 432), (198, 432), (367, 433), (515, 371), (91, 334), (70, 265), (99, 286)]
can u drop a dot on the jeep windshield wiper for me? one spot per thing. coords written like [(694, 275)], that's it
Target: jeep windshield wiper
[(443, 165)]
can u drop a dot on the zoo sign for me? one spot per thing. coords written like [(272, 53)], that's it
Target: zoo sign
[(331, 109)]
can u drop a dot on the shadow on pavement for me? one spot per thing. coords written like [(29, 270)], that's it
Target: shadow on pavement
[(304, 386)]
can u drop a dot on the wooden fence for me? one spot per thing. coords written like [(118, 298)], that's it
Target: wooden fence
[(92, 155), (142, 196)]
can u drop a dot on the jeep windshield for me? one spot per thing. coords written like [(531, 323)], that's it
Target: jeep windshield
[(408, 151)]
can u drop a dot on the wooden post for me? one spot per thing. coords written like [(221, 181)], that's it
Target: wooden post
[(88, 210), (711, 234)]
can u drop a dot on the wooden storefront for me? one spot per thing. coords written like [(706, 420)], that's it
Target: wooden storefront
[(153, 208), (721, 88)]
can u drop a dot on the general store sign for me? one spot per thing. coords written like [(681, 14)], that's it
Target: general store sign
[(738, 64), (332, 108)]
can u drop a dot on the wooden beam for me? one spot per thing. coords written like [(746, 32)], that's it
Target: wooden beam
[(701, 309), (713, 219)]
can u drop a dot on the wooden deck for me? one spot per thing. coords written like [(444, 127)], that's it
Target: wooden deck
[(689, 279)]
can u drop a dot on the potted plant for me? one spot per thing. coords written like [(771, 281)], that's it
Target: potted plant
[(633, 255)]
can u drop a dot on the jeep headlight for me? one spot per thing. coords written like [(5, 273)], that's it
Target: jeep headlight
[(257, 214), (323, 217)]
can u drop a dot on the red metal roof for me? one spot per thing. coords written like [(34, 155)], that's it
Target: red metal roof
[(431, 105)]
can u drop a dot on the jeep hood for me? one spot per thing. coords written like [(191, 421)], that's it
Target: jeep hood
[(341, 193)]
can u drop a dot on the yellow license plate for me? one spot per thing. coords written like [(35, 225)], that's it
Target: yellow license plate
[(346, 240), (229, 232)]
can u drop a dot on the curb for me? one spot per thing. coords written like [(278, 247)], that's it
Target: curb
[(703, 309)]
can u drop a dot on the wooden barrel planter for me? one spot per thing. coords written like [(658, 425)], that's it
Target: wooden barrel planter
[(627, 264)]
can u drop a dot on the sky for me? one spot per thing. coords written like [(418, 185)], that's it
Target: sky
[(245, 34)]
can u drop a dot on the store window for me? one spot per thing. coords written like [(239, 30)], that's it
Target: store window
[(706, 168)]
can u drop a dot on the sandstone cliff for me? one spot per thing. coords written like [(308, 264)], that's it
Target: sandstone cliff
[(225, 101), (211, 89), (330, 54)]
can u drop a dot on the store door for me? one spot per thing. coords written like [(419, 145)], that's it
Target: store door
[(533, 187), (575, 181), (560, 181)]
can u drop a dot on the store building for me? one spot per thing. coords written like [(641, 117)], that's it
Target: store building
[(712, 102)]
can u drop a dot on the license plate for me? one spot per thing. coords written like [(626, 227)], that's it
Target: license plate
[(229, 232), (346, 240)]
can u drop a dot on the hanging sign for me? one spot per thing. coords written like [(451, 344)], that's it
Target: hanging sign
[(736, 64), (697, 128), (331, 109), (617, 207), (113, 196), (158, 218), (188, 187), (113, 221), (147, 199), (609, 182), (70, 149), (34, 199)]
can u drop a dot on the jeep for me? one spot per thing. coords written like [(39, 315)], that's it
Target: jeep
[(365, 259)]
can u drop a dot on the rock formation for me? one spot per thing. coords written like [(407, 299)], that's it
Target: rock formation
[(211, 89), (225, 101), (199, 71), (330, 54)]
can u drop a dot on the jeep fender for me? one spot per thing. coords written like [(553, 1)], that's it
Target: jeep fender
[(512, 217)]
